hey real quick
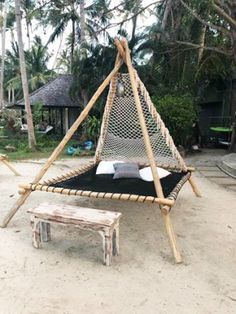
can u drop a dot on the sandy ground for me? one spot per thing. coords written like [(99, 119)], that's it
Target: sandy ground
[(67, 275)]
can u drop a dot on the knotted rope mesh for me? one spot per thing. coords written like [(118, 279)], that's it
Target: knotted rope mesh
[(121, 135)]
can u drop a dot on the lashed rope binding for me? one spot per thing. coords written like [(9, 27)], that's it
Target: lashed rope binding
[(121, 135)]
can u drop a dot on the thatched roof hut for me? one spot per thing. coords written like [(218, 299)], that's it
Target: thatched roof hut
[(60, 110), (56, 93)]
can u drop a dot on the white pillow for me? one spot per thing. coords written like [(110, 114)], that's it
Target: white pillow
[(146, 173), (106, 167)]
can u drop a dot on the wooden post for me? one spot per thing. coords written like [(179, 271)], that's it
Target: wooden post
[(115, 240), (150, 155), (172, 238), (36, 232), (194, 187), (46, 231), (61, 121), (10, 167), (66, 119), (107, 246), (62, 144), (146, 138)]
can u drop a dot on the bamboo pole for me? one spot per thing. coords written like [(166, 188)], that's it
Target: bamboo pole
[(40, 187), (142, 122), (120, 49), (172, 238), (10, 167), (62, 144), (194, 187), (106, 114), (156, 179)]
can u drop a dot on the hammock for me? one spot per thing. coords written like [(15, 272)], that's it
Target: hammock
[(131, 131), (85, 182)]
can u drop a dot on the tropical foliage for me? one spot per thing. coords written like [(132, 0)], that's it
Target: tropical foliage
[(188, 47)]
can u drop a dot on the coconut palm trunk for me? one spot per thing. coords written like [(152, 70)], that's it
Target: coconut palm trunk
[(31, 135), (3, 53), (82, 23), (233, 95)]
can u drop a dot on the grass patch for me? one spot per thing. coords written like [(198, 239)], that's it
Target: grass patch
[(45, 146)]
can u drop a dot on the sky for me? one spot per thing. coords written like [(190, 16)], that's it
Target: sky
[(59, 44)]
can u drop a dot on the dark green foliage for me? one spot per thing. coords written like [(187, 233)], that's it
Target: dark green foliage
[(178, 114), (93, 126), (89, 72)]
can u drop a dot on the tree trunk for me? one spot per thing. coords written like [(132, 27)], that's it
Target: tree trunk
[(201, 43), (82, 23), (233, 96), (31, 135), (3, 53), (28, 32), (134, 20), (166, 14), (84, 95), (72, 46), (58, 51)]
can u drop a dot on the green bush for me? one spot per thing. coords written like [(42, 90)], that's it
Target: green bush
[(179, 114), (92, 127)]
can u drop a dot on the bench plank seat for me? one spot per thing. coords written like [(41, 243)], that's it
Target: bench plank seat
[(102, 221)]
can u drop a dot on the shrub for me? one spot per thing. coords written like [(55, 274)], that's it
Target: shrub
[(179, 114), (11, 120), (92, 128)]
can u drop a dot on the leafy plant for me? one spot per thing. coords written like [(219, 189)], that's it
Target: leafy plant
[(179, 114), (11, 119), (92, 127), (37, 112)]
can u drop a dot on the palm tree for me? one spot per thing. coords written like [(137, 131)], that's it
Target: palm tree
[(36, 62), (3, 31), (61, 14), (90, 70), (36, 66), (28, 9), (84, 21), (31, 135)]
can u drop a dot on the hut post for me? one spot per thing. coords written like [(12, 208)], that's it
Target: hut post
[(61, 118), (66, 119)]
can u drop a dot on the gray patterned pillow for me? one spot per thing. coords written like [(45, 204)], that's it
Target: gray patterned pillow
[(126, 170)]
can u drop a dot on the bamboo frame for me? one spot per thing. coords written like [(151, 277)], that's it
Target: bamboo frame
[(164, 203), (106, 195), (157, 183), (143, 126), (62, 144), (4, 160), (46, 186), (194, 187)]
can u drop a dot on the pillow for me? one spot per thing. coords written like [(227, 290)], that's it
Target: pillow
[(106, 167), (146, 173), (126, 171)]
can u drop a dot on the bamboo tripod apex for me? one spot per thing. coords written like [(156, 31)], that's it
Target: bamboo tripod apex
[(123, 57)]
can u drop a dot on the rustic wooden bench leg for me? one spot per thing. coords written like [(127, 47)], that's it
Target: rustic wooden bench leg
[(36, 232), (108, 250), (107, 246), (115, 240), (45, 231)]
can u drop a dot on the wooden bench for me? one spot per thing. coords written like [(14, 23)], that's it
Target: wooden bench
[(104, 222)]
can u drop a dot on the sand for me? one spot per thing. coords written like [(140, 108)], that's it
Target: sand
[(67, 276)]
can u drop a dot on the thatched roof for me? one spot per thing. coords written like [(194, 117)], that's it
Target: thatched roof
[(54, 94)]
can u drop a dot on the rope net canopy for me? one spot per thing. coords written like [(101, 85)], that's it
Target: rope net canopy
[(121, 136)]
